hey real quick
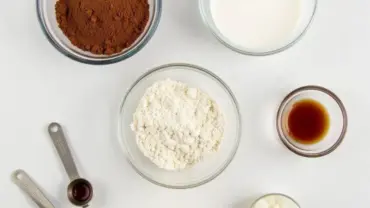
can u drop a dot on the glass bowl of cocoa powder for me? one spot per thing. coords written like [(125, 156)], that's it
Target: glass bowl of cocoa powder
[(100, 31)]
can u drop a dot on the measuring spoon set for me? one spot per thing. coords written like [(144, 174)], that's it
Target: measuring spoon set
[(79, 190)]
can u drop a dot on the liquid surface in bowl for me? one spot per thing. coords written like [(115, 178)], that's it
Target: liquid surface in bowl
[(102, 26), (258, 25), (308, 121)]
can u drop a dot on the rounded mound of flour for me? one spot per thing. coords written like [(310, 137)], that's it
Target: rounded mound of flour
[(176, 126)]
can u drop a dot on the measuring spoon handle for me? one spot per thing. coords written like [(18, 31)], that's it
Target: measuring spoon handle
[(24, 182), (60, 143)]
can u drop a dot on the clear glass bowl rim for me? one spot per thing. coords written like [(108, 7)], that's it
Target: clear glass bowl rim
[(249, 53), (102, 61), (339, 103), (274, 194), (224, 85)]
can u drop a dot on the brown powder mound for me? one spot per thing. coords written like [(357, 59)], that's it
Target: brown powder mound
[(102, 26)]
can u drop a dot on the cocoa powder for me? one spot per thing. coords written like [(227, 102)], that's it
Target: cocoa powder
[(102, 26)]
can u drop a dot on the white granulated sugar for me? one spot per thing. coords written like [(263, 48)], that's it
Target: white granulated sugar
[(176, 125), (275, 201)]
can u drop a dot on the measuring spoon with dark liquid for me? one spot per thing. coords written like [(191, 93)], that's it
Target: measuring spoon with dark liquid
[(80, 191)]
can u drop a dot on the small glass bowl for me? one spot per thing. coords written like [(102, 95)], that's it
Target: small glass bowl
[(213, 164), (278, 195), (46, 16), (308, 10), (337, 115)]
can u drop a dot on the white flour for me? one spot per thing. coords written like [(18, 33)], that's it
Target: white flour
[(176, 126), (258, 25)]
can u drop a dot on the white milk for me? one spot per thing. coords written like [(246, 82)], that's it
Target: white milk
[(256, 25)]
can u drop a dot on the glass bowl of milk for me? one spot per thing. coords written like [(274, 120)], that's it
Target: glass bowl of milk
[(258, 27)]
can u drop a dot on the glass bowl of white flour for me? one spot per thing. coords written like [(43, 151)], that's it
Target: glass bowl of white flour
[(258, 27), (179, 126)]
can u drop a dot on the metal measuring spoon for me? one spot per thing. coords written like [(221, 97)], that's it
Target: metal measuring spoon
[(24, 182), (80, 191)]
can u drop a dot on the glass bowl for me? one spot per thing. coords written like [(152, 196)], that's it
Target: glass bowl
[(213, 164), (46, 16), (288, 198), (337, 124), (307, 11)]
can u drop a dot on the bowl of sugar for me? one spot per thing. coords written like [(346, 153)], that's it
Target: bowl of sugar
[(258, 27), (275, 200)]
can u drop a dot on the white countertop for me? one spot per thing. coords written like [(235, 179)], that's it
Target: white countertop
[(39, 85)]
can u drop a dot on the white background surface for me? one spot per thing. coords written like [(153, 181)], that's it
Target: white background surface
[(39, 85)]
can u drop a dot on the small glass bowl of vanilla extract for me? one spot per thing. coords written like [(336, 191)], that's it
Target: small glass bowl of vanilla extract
[(311, 121)]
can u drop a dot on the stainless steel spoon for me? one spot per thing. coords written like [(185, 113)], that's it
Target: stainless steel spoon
[(24, 182), (80, 191)]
